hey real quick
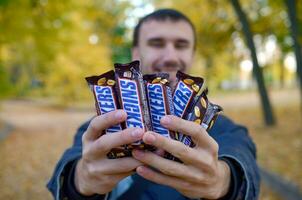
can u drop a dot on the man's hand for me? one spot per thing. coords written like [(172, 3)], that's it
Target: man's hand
[(201, 175), (95, 173)]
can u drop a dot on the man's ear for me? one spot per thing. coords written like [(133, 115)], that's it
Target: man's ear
[(135, 53)]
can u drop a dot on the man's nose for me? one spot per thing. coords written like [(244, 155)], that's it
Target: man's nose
[(170, 55)]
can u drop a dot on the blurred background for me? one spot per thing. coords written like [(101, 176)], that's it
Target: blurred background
[(249, 52)]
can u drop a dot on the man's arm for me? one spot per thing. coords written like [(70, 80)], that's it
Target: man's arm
[(236, 146)]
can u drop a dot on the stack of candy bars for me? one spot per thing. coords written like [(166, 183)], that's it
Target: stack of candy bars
[(146, 99)]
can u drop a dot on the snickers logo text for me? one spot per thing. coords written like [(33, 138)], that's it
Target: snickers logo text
[(187, 140), (106, 103), (181, 98), (157, 107), (131, 103)]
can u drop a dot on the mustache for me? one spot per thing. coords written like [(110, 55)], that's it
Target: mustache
[(169, 67)]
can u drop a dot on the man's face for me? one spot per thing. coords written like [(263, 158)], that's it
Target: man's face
[(165, 46)]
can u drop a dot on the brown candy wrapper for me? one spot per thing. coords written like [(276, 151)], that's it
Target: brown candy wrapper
[(211, 115), (208, 119), (103, 88), (147, 99), (160, 102), (132, 97), (184, 94), (199, 108)]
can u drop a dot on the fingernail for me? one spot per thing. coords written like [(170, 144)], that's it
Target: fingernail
[(138, 154), (140, 170), (165, 120), (137, 133), (119, 115), (150, 138)]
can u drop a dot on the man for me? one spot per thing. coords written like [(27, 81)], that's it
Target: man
[(221, 166)]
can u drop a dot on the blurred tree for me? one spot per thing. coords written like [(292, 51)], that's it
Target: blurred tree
[(269, 18), (266, 106), (48, 47), (29, 41), (278, 27), (291, 6), (121, 47), (266, 23), (109, 16)]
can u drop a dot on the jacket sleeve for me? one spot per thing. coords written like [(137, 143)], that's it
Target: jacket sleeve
[(57, 183), (236, 146)]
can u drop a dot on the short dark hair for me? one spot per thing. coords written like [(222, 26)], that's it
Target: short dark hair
[(161, 15)]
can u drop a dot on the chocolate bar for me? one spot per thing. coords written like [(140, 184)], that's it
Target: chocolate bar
[(159, 97), (106, 101), (184, 94), (207, 122), (197, 114), (105, 98), (211, 115), (146, 102), (132, 97)]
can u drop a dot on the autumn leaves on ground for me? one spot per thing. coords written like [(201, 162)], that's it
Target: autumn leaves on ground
[(42, 132)]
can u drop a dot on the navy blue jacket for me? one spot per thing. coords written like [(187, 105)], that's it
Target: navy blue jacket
[(235, 147)]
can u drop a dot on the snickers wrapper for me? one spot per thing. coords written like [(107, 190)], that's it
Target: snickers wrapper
[(184, 94), (103, 88), (132, 97), (160, 102)]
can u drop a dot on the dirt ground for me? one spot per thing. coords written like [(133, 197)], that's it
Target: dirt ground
[(42, 132)]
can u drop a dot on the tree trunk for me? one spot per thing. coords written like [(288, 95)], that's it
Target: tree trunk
[(257, 71), (291, 6), (282, 71)]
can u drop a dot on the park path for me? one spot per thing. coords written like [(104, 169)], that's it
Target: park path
[(41, 133), (35, 116), (29, 153)]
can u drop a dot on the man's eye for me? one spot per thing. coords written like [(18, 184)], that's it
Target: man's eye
[(181, 45), (157, 44)]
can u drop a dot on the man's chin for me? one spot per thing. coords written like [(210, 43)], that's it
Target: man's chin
[(172, 78), (172, 74)]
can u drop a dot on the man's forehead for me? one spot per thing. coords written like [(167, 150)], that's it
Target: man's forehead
[(179, 29)]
